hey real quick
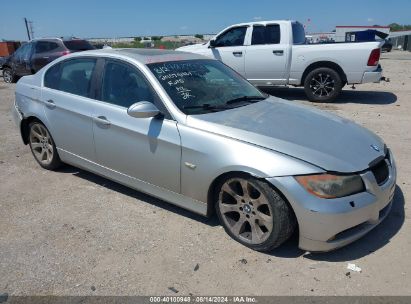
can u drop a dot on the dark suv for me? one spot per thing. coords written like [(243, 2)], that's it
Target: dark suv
[(32, 56)]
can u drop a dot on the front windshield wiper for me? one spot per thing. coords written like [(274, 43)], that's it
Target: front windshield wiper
[(206, 106), (246, 98)]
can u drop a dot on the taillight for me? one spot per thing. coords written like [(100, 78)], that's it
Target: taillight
[(374, 57), (63, 53)]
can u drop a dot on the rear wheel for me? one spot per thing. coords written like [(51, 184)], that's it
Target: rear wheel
[(254, 214), (42, 146), (8, 75), (323, 85)]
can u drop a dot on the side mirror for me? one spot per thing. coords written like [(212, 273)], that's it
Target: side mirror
[(212, 44), (143, 109)]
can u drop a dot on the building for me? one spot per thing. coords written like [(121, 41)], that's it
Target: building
[(401, 40), (344, 32), (320, 37)]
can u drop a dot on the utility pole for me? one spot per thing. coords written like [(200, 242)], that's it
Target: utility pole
[(27, 28), (31, 29)]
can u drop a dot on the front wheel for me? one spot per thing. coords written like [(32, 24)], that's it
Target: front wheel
[(323, 85), (254, 214), (42, 146), (8, 75)]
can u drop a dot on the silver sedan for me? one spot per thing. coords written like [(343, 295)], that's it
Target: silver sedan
[(191, 131)]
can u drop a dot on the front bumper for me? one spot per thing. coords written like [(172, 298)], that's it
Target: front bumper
[(373, 76), (327, 224)]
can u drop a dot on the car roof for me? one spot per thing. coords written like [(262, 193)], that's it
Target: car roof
[(145, 56), (262, 22)]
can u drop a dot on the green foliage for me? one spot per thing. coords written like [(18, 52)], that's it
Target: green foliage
[(399, 27), (157, 44), (137, 39), (199, 36), (156, 38)]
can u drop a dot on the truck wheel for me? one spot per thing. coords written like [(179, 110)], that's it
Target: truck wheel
[(8, 76), (322, 85), (253, 213)]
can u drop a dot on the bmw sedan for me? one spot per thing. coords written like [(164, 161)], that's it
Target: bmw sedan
[(191, 131)]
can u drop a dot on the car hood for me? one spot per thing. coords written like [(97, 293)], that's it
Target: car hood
[(193, 47), (320, 138)]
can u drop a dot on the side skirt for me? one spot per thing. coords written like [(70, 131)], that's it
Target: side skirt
[(134, 183)]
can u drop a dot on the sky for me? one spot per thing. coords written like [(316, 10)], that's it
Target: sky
[(128, 18)]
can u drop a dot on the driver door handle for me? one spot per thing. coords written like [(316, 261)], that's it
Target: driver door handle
[(50, 104), (102, 120), (278, 52), (238, 54)]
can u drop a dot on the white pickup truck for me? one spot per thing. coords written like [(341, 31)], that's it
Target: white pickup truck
[(270, 53)]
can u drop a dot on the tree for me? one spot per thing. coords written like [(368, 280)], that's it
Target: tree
[(137, 39), (399, 27), (199, 36), (156, 38)]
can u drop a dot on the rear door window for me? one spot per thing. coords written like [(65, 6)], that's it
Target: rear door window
[(78, 45), (269, 34), (298, 33), (52, 77), (71, 76)]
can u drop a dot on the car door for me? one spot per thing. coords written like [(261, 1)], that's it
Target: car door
[(229, 48), (68, 107), (267, 55), (21, 62), (147, 149)]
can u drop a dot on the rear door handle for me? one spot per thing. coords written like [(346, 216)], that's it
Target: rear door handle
[(50, 103), (102, 120), (238, 53), (278, 52)]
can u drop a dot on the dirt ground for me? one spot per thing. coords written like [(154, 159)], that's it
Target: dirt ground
[(74, 233)]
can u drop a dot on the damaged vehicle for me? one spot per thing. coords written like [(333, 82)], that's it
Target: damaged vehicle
[(191, 131)]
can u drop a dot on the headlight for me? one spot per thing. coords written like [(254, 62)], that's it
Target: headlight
[(331, 186)]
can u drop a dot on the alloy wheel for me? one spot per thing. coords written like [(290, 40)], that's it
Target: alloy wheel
[(245, 211), (41, 144), (322, 85), (7, 76)]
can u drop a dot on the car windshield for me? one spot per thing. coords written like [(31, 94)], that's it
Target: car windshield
[(204, 85)]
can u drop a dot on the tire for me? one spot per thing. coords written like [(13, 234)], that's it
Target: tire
[(42, 146), (8, 75), (323, 85), (253, 213)]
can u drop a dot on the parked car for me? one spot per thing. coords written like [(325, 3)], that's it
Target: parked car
[(2, 61), (32, 56), (193, 132), (387, 46), (275, 53)]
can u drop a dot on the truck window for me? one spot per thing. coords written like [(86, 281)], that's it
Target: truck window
[(232, 37), (269, 34), (298, 33)]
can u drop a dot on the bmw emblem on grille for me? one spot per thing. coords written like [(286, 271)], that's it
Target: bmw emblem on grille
[(375, 147)]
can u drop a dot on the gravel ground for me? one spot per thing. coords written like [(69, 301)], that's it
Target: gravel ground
[(74, 233)]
